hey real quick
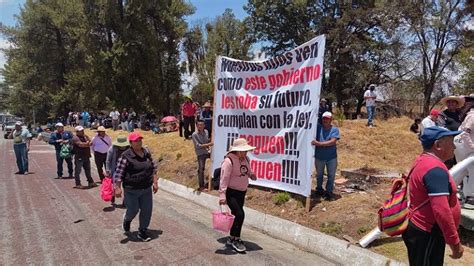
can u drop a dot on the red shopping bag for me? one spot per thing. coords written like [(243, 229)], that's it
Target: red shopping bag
[(222, 221), (107, 189)]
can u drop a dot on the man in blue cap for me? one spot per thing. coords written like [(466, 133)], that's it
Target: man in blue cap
[(434, 208)]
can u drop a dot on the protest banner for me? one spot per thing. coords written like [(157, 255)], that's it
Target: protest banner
[(274, 105)]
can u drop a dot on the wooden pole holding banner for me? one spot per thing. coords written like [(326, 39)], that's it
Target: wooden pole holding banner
[(308, 204), (211, 174)]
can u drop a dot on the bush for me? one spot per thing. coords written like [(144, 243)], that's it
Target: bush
[(331, 228), (339, 116), (281, 197)]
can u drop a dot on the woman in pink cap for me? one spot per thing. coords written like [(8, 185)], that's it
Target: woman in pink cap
[(137, 172)]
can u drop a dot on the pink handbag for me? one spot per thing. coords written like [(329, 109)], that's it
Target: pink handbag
[(222, 221), (107, 189)]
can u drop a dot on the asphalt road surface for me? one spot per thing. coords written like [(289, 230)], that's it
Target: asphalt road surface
[(45, 221)]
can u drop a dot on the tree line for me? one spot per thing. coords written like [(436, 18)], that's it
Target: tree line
[(99, 54)]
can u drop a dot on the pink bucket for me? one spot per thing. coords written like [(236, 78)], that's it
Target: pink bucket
[(222, 221)]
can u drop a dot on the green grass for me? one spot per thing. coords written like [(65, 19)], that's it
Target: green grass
[(281, 197), (330, 228)]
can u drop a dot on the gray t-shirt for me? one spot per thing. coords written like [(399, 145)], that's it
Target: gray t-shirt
[(199, 139)]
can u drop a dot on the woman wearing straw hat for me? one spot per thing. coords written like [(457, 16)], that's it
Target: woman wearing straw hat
[(235, 174), (100, 146), (119, 145)]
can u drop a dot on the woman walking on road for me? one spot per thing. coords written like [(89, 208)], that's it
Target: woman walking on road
[(235, 174), (137, 171), (119, 146)]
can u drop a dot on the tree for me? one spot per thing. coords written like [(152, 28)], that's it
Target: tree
[(357, 34), (435, 29), (224, 36)]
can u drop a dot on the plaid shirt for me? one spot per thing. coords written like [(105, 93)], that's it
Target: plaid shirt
[(122, 165)]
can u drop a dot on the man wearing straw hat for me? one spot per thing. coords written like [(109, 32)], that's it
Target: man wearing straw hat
[(206, 116), (451, 115), (235, 174), (100, 146)]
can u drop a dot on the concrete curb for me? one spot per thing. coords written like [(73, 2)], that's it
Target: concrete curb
[(303, 237)]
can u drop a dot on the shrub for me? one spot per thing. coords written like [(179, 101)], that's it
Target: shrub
[(331, 228), (281, 197)]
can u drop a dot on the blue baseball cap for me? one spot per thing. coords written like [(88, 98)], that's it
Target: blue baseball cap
[(431, 134)]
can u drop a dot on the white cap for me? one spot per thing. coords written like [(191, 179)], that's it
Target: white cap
[(79, 128), (327, 114), (18, 123), (59, 125)]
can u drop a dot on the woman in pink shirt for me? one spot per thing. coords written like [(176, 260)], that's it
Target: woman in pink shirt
[(235, 174)]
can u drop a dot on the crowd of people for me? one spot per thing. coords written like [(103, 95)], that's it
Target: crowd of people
[(134, 172)]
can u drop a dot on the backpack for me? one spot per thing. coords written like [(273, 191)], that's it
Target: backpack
[(394, 214), (65, 151), (216, 178), (107, 189)]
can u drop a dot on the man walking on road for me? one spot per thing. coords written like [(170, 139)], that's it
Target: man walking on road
[(434, 208), (100, 146), (59, 138), (201, 147), (369, 97), (21, 145), (82, 154)]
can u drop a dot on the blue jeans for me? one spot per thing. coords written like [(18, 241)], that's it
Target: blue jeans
[(21, 154), (330, 166), (370, 114), (60, 161), (139, 200)]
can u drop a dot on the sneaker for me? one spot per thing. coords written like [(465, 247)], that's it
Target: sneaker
[(143, 236), (328, 197), (19, 173), (26, 173), (92, 184), (79, 186), (70, 177), (238, 245), (319, 193), (229, 242), (126, 225), (58, 177)]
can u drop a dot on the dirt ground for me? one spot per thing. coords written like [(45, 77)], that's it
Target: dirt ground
[(388, 147)]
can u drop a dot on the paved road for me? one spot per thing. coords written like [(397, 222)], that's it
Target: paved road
[(46, 221)]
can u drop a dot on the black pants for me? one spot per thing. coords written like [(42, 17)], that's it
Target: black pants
[(188, 122), (100, 159), (424, 248), (235, 200)]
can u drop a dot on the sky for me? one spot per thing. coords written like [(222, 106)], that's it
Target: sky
[(205, 9)]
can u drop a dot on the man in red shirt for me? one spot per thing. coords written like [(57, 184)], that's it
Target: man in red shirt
[(434, 208), (188, 113)]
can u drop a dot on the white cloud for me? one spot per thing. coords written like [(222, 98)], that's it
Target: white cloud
[(3, 45)]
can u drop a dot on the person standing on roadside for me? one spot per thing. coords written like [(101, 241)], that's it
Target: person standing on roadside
[(115, 115), (136, 170), (21, 145), (82, 155), (59, 138), (100, 146), (434, 209), (124, 119), (188, 114), (120, 145), (234, 181), (325, 155), (430, 121), (206, 116), (369, 97), (202, 144)]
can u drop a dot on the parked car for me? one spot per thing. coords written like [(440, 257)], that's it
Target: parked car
[(9, 127)]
